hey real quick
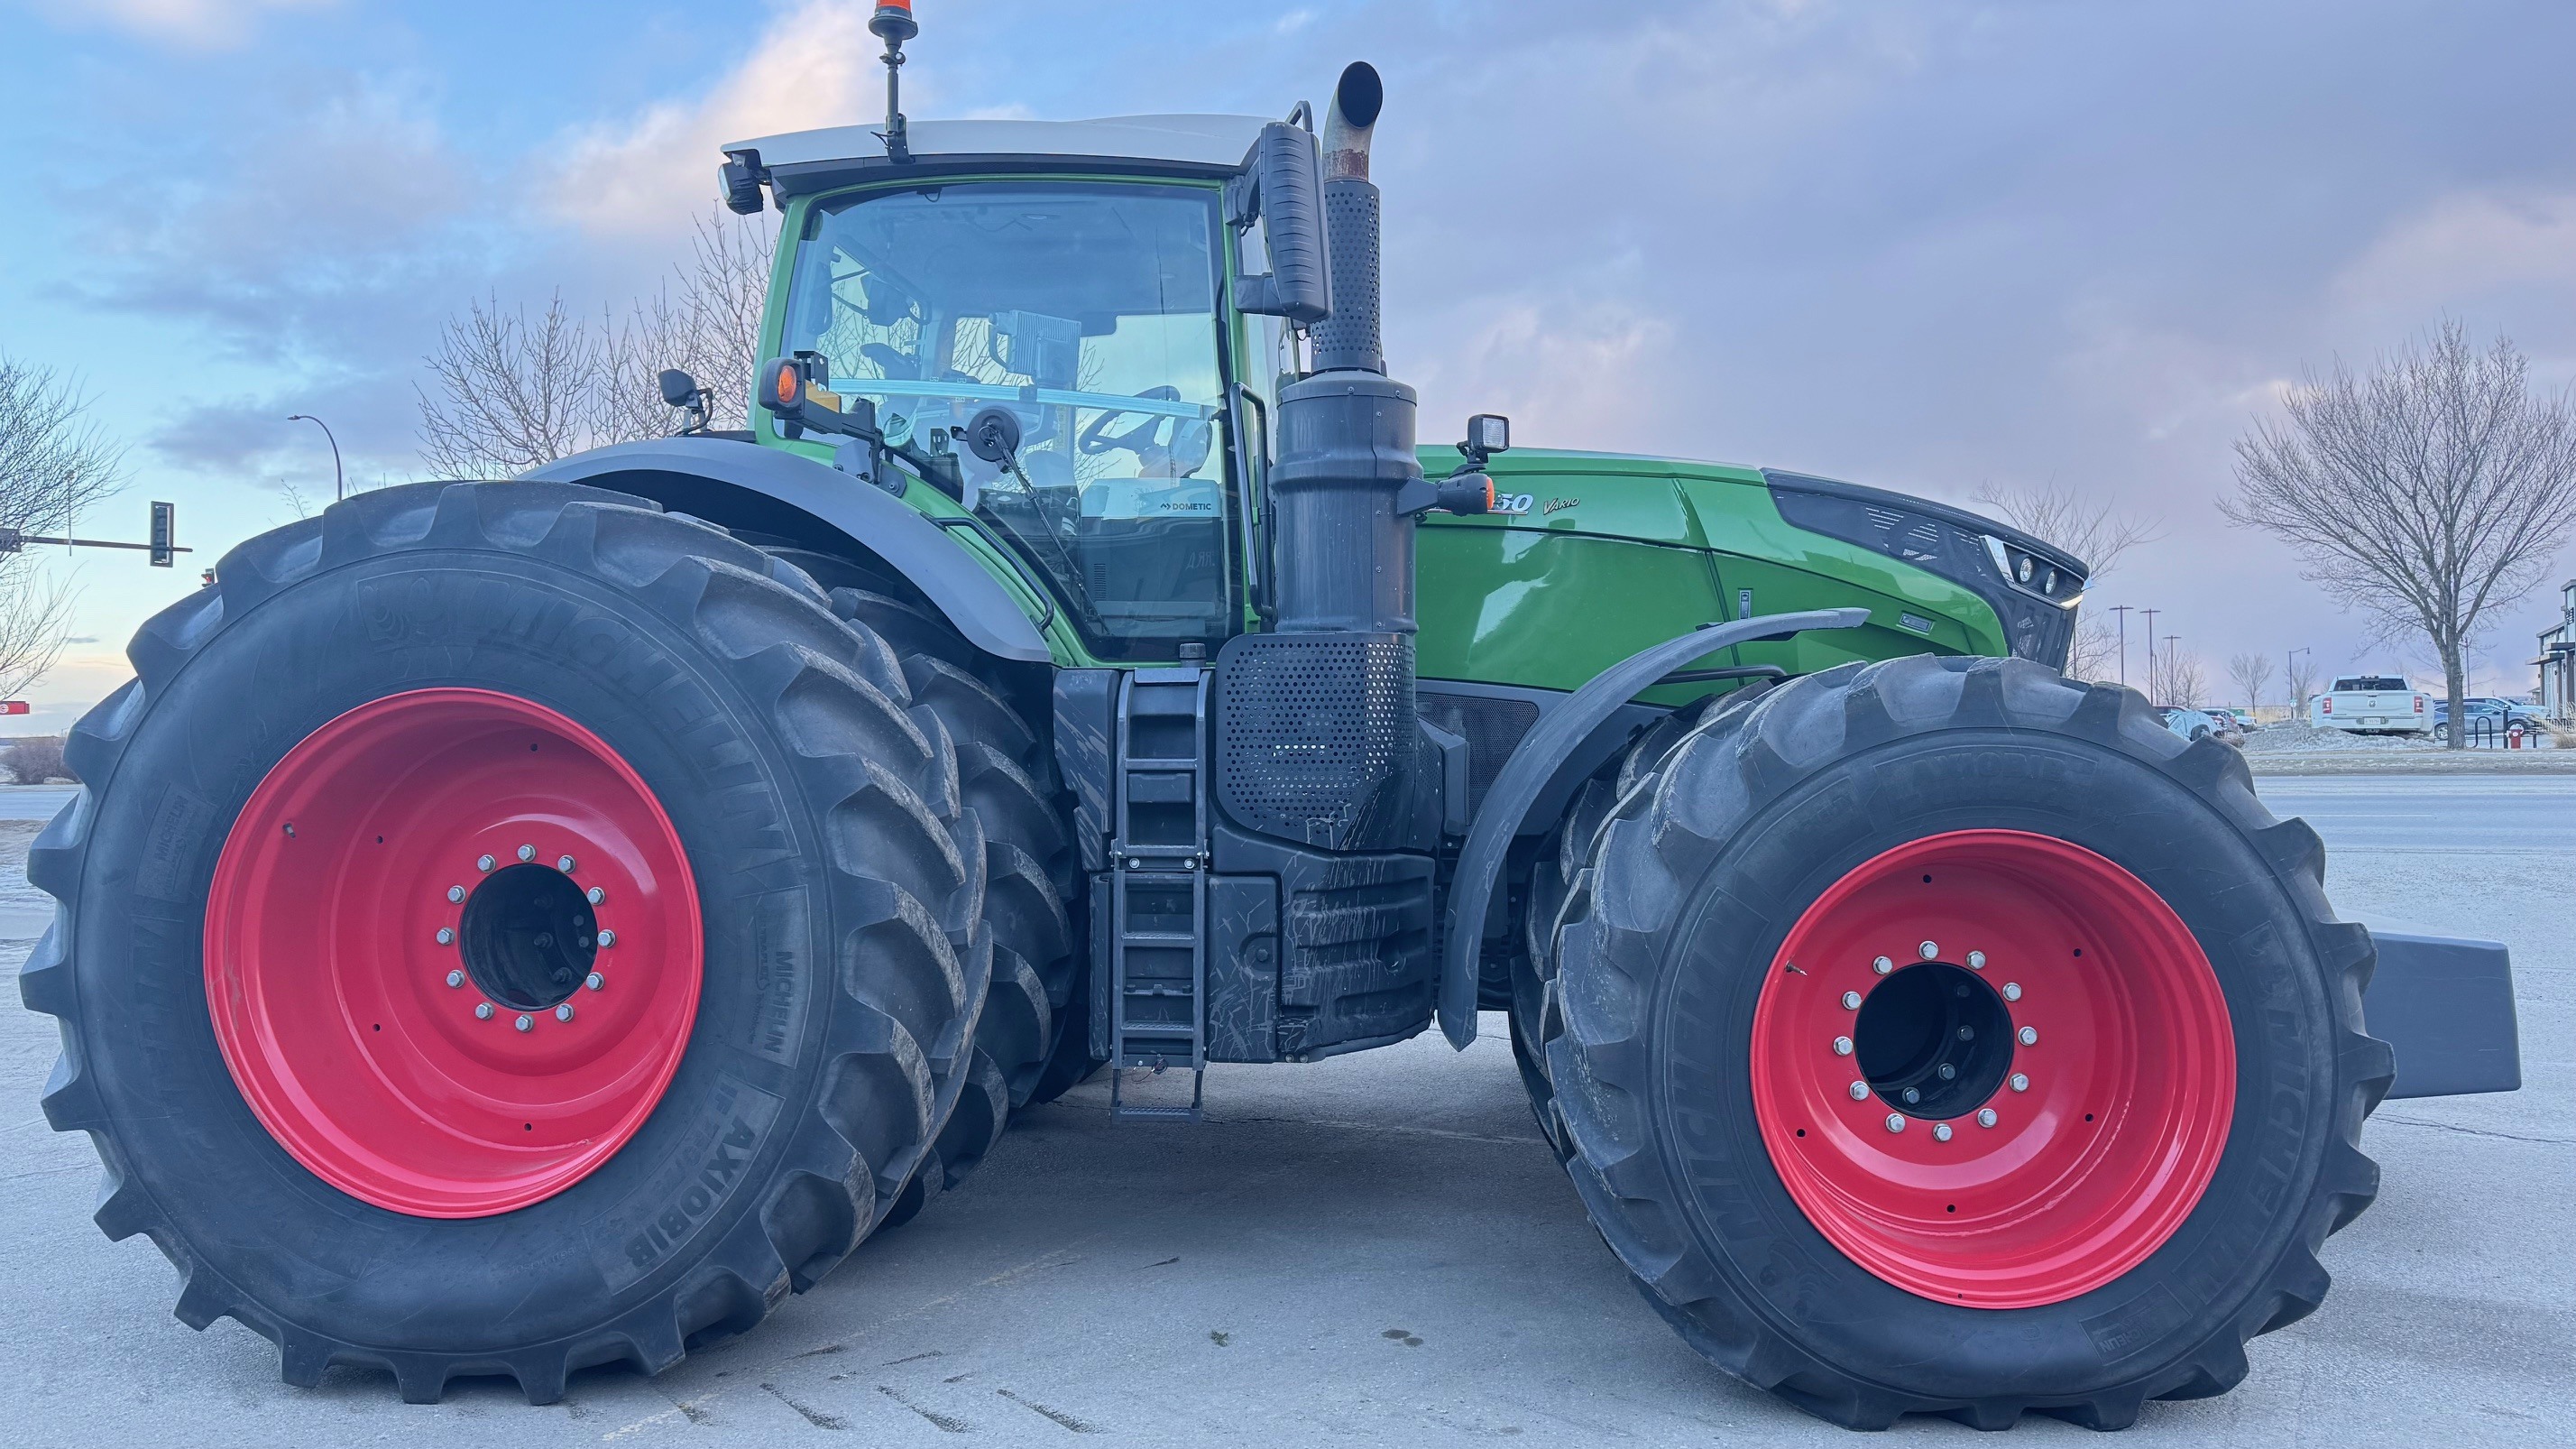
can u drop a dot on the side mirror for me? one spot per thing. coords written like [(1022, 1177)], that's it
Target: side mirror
[(993, 435), (678, 388), (1282, 187), (1487, 434)]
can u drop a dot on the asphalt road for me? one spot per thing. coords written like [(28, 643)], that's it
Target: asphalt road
[(1378, 1249)]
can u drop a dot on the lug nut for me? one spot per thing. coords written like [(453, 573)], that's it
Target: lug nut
[(1860, 1091), (1948, 1072), (607, 938), (1940, 1131), (1851, 1001), (1967, 1033), (564, 863), (2030, 1036), (526, 1023), (1842, 1046), (527, 853), (483, 1011), (1976, 960), (1985, 1116), (1895, 1121), (1912, 1096), (594, 981), (564, 1012), (483, 862), (456, 893), (594, 895), (455, 978), (1882, 965), (2020, 1083), (1927, 950), (445, 936), (2012, 991)]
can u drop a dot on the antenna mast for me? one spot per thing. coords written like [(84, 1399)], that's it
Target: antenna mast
[(893, 23)]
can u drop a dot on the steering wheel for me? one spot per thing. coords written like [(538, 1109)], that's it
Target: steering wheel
[(1141, 439)]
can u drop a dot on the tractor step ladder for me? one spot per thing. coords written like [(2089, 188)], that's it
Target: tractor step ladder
[(1158, 895)]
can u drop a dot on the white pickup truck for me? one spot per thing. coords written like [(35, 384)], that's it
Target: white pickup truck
[(2373, 704)]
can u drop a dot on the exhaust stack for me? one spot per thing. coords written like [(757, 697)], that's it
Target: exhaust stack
[(1316, 723), (1349, 338)]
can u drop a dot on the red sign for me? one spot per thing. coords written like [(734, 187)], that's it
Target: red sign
[(13, 706)]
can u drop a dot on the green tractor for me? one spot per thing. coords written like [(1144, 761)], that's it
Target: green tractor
[(513, 927)]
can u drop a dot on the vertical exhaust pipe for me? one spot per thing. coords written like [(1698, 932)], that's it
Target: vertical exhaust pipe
[(1346, 430), (1350, 338), (1316, 720)]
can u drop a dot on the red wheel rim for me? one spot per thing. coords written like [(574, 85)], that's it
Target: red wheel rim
[(2108, 1112), (401, 868)]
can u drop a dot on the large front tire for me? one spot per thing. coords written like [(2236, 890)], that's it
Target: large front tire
[(334, 845), (2145, 1131)]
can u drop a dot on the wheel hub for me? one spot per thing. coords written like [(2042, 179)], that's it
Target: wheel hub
[(2023, 1110), (527, 937), (452, 952), (1933, 1040)]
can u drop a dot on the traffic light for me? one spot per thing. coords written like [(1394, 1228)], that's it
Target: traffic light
[(164, 534)]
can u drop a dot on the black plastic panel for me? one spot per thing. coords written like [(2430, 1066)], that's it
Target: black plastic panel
[(1317, 740)]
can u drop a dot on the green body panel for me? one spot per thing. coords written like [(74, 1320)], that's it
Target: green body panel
[(1615, 553), (1618, 552)]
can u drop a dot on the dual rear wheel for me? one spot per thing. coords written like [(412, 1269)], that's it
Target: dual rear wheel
[(507, 928)]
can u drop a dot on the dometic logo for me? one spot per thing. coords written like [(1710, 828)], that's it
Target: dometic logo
[(668, 1210)]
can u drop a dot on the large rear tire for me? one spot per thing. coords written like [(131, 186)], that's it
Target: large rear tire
[(2075, 1170), (325, 925), (1032, 1043)]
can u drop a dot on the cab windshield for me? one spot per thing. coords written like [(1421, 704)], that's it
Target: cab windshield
[(1090, 312)]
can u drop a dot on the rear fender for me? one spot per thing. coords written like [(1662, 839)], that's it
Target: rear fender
[(767, 490)]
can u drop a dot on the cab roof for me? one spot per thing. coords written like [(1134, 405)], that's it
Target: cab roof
[(1199, 145)]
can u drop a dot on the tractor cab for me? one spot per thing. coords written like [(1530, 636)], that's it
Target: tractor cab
[(1076, 276)]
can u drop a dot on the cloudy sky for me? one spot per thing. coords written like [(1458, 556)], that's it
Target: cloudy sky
[(1930, 246)]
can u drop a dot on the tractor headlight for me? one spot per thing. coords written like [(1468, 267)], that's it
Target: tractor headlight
[(2032, 574)]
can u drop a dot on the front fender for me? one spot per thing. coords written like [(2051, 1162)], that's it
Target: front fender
[(744, 485), (1517, 786)]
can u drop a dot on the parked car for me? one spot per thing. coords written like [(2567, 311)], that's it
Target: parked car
[(2485, 713), (2197, 724), (2383, 704)]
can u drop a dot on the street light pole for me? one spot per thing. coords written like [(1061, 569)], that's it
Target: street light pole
[(339, 481), (2151, 651), (2123, 611), (2170, 659)]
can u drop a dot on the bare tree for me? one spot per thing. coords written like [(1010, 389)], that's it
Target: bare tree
[(2250, 672), (2174, 677), (2093, 530), (2430, 495), (54, 462), (2300, 673), (512, 391)]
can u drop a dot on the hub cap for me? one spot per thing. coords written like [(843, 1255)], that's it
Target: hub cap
[(2029, 1104), (452, 952)]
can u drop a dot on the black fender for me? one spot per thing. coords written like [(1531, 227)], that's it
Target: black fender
[(1517, 786), (744, 485)]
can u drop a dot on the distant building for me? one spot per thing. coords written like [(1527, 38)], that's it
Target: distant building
[(2557, 660)]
